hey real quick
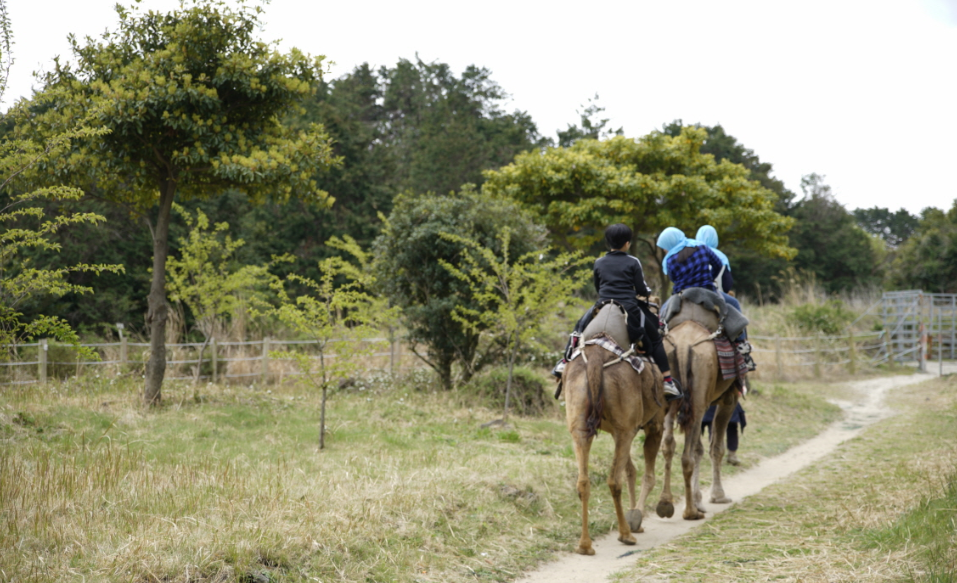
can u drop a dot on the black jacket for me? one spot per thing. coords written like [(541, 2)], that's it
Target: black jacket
[(618, 276)]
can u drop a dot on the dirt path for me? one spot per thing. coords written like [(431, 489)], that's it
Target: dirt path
[(611, 556)]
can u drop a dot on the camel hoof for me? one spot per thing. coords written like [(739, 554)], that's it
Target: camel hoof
[(585, 551), (696, 515), (634, 518), (665, 509), (721, 500), (628, 540)]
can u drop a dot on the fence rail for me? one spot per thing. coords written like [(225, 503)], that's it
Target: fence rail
[(39, 361)]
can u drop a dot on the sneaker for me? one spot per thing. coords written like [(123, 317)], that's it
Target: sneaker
[(744, 347), (749, 361), (672, 391), (559, 369)]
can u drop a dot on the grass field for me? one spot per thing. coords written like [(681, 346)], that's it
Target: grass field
[(226, 483), (882, 508)]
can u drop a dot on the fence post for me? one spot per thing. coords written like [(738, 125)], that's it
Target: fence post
[(124, 351), (818, 356), (265, 359), (852, 355), (778, 359), (42, 353), (213, 360)]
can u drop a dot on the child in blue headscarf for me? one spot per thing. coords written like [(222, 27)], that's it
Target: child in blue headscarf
[(688, 262), (708, 235)]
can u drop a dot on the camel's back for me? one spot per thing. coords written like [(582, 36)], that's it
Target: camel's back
[(696, 313)]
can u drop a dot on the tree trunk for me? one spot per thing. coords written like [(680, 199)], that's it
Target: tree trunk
[(157, 314), (508, 383)]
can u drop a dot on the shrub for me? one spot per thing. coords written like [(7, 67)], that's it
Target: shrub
[(830, 317), (530, 391)]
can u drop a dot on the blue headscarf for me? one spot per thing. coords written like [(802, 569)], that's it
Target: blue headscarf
[(673, 240), (709, 236)]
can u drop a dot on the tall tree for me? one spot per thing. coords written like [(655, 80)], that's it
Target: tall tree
[(650, 183), (893, 227), (830, 244), (928, 259), (193, 101), (590, 127)]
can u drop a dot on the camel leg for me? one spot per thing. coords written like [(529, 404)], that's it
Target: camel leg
[(666, 504), (618, 470), (582, 447), (651, 447), (689, 467), (722, 416), (696, 476)]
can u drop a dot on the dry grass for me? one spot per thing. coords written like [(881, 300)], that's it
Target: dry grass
[(226, 482), (820, 525)]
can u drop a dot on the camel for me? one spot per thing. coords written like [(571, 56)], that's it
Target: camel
[(694, 361), (620, 401)]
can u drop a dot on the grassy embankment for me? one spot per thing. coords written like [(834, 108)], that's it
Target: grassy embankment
[(226, 483), (884, 508)]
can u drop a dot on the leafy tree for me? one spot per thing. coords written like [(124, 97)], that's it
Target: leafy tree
[(207, 279), (894, 228), (408, 267), (649, 183), (193, 102), (928, 259), (830, 244), (338, 311), (512, 298), (590, 128), (25, 225)]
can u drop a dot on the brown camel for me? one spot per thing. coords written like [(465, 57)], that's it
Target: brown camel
[(620, 401), (694, 360)]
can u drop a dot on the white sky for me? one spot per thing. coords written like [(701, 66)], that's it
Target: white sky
[(863, 92)]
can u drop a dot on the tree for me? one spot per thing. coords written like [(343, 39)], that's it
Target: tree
[(26, 226), (408, 269), (894, 228), (512, 297), (928, 259), (830, 245), (193, 102), (590, 128), (207, 279), (338, 309), (649, 183)]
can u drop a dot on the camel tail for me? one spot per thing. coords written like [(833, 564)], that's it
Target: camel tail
[(686, 406), (596, 389)]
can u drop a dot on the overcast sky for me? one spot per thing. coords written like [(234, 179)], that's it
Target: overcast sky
[(864, 93)]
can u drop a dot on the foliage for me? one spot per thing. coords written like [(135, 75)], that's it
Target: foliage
[(830, 317), (590, 128), (928, 259), (206, 278), (26, 226), (335, 314), (407, 264), (529, 390), (510, 299), (193, 102), (649, 183), (830, 244), (894, 228)]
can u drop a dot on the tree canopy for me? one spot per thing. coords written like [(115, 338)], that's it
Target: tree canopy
[(928, 259), (649, 183)]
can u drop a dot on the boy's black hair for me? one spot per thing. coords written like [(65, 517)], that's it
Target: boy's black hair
[(617, 235)]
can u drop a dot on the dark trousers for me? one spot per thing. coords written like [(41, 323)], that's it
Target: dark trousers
[(635, 329)]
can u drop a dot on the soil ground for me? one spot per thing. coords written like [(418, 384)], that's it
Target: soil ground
[(612, 556)]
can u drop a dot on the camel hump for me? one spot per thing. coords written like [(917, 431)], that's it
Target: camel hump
[(691, 311), (612, 319)]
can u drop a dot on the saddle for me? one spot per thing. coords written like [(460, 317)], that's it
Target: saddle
[(611, 320)]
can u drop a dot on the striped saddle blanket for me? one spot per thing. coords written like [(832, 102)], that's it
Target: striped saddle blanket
[(731, 362)]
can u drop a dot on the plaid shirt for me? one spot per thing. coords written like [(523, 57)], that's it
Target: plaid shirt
[(698, 270)]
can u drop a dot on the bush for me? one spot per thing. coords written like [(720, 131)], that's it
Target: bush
[(530, 391), (827, 318)]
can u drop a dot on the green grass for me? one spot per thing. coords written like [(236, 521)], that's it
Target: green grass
[(881, 508), (224, 481)]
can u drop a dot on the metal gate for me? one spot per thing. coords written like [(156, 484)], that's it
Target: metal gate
[(920, 326)]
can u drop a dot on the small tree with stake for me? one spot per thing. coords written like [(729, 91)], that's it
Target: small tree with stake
[(338, 314), (514, 297)]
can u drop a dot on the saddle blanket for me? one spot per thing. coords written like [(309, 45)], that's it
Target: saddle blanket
[(729, 359), (637, 362)]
